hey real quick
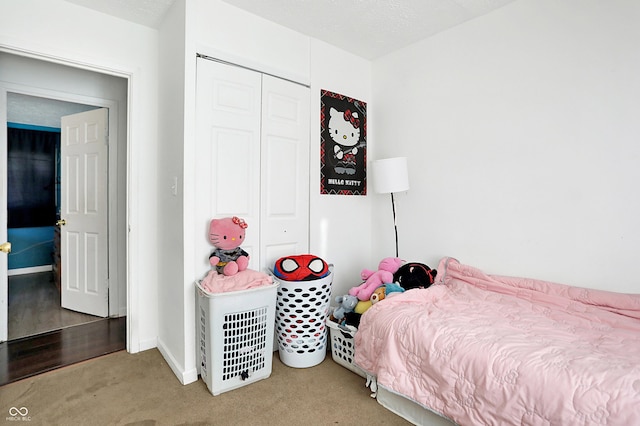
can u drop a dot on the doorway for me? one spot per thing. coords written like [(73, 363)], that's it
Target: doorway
[(33, 206), (56, 83)]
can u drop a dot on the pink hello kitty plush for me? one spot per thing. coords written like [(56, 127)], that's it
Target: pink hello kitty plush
[(226, 235)]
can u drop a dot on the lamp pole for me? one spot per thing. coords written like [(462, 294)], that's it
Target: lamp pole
[(391, 175), (395, 226)]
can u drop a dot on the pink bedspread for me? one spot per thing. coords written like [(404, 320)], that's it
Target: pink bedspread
[(243, 280), (493, 350)]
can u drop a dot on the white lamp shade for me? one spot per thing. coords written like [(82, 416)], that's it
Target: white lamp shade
[(390, 175)]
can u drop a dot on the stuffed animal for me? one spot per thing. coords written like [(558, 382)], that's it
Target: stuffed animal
[(385, 291), (301, 267), (353, 318), (362, 306), (346, 304), (374, 279), (378, 295), (414, 275), (392, 288), (226, 235)]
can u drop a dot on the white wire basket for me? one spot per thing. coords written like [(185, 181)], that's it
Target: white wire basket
[(301, 311), (343, 348), (235, 333)]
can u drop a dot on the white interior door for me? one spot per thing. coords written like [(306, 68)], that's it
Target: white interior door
[(284, 223), (84, 212), (227, 153)]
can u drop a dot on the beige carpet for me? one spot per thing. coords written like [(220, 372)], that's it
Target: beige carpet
[(140, 389)]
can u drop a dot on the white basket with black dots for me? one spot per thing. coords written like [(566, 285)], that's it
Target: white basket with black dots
[(235, 334), (343, 348), (301, 311)]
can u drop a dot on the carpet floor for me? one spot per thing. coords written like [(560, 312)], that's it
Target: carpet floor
[(141, 389)]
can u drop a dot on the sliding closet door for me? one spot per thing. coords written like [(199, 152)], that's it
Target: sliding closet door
[(228, 103), (284, 222), (252, 160)]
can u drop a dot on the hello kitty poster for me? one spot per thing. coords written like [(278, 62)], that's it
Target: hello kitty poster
[(343, 148)]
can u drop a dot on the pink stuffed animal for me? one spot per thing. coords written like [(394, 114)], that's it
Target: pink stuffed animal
[(374, 279), (226, 235)]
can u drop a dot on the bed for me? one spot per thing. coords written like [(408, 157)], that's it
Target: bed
[(482, 349)]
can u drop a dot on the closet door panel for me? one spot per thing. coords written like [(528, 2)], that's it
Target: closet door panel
[(284, 225), (283, 169), (232, 199), (228, 114)]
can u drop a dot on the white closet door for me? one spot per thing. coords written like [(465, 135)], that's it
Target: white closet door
[(284, 221), (228, 104), (252, 160)]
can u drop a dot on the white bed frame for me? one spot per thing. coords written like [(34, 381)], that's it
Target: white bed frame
[(409, 410), (342, 351)]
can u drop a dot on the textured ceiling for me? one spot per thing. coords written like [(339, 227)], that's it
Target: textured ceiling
[(367, 28), (38, 111)]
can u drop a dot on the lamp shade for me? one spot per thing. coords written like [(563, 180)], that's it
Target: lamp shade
[(390, 175)]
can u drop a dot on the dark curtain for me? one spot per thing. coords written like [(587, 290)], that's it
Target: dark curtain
[(31, 162)]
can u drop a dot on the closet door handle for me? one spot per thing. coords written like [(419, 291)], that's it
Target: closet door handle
[(5, 247), (61, 222)]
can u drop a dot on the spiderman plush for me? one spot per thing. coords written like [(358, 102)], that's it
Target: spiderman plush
[(303, 267)]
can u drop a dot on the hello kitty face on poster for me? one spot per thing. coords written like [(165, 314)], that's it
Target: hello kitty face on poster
[(344, 127)]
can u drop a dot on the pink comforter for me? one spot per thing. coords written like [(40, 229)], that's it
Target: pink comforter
[(493, 350)]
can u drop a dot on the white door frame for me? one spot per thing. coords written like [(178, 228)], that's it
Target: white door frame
[(114, 288), (132, 238), (4, 259)]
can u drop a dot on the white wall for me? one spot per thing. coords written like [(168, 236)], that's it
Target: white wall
[(521, 129), (62, 32), (173, 319), (212, 28), (226, 32), (216, 29), (162, 231), (340, 224)]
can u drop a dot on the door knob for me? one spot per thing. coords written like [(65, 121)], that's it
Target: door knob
[(61, 222), (5, 247)]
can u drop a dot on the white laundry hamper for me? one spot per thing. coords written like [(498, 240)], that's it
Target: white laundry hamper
[(301, 312), (343, 347), (235, 333)]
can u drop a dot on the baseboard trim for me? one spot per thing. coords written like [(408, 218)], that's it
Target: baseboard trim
[(190, 376), (185, 377), (145, 345), (30, 270)]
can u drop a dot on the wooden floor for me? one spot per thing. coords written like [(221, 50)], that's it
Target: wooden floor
[(43, 336), (29, 356), (34, 306)]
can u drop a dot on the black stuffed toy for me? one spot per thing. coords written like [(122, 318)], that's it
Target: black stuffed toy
[(352, 318), (414, 275)]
